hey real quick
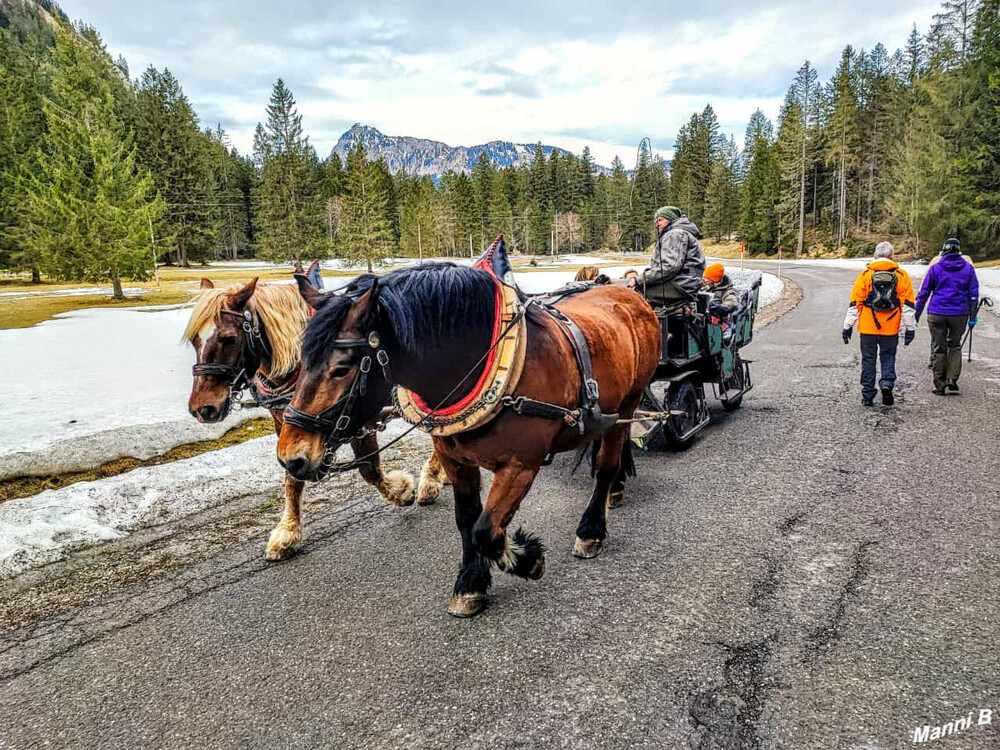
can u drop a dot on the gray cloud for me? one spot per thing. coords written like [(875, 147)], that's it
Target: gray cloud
[(225, 51)]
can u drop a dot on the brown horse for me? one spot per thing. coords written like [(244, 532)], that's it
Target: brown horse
[(433, 324), (241, 332)]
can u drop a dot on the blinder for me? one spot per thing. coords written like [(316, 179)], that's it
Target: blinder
[(335, 421)]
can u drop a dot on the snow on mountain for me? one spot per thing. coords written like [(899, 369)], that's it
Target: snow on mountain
[(420, 156)]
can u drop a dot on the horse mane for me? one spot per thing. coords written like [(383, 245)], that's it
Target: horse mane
[(425, 304), (277, 308)]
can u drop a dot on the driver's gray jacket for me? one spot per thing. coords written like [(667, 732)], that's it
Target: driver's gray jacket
[(678, 257)]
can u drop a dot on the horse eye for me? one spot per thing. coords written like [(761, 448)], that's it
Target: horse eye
[(227, 340), (340, 372)]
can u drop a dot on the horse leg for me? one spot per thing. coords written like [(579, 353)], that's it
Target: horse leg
[(627, 466), (593, 525), (432, 479), (286, 537), (524, 554), (469, 595), (394, 486)]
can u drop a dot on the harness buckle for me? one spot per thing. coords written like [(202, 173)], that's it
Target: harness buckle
[(593, 389), (382, 357), (374, 340), (366, 364), (342, 423)]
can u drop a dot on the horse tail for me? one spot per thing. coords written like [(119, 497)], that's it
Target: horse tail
[(627, 465), (523, 555), (587, 452)]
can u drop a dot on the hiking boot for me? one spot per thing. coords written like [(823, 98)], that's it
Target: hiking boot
[(952, 385), (867, 400), (887, 399), (938, 391)]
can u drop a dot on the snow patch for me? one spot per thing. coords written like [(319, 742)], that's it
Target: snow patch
[(43, 528)]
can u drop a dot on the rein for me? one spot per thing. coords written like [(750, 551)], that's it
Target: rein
[(325, 425), (335, 421)]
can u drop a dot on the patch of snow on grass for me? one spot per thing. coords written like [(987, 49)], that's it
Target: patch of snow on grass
[(94, 385), (43, 528)]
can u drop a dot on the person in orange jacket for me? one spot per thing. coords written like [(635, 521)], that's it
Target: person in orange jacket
[(882, 301)]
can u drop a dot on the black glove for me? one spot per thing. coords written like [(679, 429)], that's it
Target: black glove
[(718, 310), (847, 335), (909, 336)]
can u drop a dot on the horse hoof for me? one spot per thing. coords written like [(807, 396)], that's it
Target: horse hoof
[(616, 499), (283, 543), (466, 605), (586, 548), (538, 570), (428, 493), (398, 488)]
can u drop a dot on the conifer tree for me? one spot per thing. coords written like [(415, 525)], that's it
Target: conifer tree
[(365, 228), (177, 154), (291, 212), (88, 205)]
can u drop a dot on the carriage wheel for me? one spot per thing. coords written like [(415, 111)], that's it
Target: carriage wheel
[(737, 382), (680, 430)]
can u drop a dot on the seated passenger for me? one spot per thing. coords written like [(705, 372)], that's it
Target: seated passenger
[(675, 270), (724, 299)]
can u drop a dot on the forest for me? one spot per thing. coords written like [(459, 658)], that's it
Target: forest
[(101, 173)]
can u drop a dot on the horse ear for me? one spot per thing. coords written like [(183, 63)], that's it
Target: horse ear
[(312, 296), (365, 310), (239, 298), (207, 284)]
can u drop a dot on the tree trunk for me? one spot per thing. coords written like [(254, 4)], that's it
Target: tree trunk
[(36, 277), (116, 284)]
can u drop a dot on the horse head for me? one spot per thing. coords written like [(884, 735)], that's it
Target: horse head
[(220, 332), (343, 384)]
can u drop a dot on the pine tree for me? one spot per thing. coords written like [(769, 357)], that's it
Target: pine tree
[(722, 200), (761, 194), (22, 124), (842, 126), (807, 100), (178, 155), (365, 227), (89, 204), (291, 214)]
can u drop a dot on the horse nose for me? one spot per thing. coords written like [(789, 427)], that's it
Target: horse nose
[(298, 467), (208, 413)]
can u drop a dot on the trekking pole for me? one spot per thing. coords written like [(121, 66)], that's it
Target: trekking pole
[(984, 302)]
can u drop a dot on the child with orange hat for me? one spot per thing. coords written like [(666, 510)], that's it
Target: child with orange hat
[(717, 283)]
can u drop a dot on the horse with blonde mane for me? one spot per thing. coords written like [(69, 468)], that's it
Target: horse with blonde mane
[(253, 334)]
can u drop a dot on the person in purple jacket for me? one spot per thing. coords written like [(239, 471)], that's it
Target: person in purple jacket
[(952, 287)]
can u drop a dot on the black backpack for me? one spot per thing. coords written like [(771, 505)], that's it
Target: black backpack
[(882, 296)]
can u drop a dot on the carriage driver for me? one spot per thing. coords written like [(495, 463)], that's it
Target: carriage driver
[(677, 265)]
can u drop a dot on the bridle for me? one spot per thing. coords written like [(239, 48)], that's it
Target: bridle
[(334, 422), (253, 348)]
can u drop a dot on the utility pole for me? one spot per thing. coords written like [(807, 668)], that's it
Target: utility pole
[(152, 247), (224, 142), (420, 247), (470, 244)]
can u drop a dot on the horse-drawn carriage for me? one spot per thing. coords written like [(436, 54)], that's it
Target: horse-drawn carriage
[(699, 350)]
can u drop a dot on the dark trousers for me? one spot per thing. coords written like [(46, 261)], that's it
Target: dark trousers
[(884, 348), (946, 346)]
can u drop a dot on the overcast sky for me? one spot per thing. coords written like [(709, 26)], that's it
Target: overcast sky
[(568, 73)]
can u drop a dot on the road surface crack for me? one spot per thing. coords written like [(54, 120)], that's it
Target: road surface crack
[(824, 636), (726, 717)]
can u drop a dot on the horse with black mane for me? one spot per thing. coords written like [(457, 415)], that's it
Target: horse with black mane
[(429, 330), (251, 335)]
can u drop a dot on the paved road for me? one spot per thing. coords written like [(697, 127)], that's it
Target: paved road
[(811, 574)]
